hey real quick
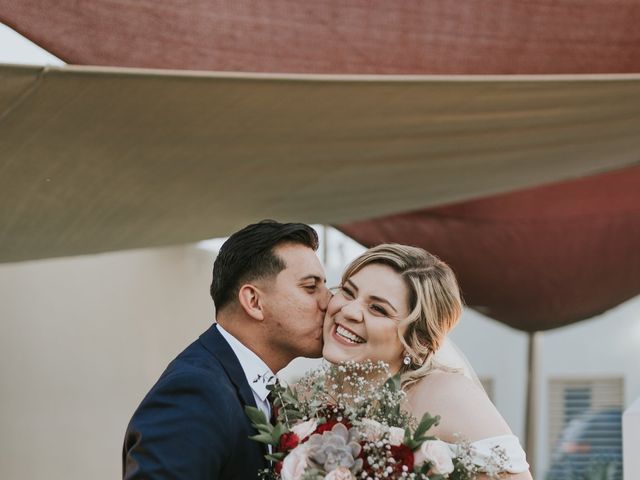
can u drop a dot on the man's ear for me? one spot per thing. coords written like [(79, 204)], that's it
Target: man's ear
[(250, 300)]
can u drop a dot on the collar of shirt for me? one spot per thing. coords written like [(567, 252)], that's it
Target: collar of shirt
[(258, 374)]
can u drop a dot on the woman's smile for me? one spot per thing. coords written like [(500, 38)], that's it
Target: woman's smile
[(346, 336)]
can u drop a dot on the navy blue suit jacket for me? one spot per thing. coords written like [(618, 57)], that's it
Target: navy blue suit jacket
[(192, 425)]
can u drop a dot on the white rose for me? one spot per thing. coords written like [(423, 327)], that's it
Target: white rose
[(438, 453), (304, 429), (396, 436), (340, 473), (294, 464), (371, 429)]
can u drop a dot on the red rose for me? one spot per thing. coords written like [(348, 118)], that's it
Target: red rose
[(326, 426), (403, 456), (288, 441)]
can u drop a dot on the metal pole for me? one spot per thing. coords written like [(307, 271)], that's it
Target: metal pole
[(325, 245), (531, 401)]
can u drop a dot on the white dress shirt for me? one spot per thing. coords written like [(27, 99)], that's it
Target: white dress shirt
[(258, 374)]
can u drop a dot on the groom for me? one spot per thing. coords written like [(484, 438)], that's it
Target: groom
[(270, 296)]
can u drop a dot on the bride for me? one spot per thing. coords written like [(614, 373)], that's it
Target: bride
[(397, 303)]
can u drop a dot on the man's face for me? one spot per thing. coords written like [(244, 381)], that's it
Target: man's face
[(295, 302)]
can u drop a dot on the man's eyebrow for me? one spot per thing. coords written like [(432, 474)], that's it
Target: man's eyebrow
[(316, 278), (373, 297)]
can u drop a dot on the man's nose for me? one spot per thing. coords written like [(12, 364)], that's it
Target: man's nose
[(325, 296)]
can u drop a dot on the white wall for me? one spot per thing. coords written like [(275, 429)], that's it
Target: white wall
[(499, 352), (81, 342), (605, 346)]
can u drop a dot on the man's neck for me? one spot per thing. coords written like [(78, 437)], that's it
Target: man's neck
[(250, 334)]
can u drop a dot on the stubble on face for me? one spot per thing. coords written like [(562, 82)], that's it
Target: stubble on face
[(295, 303)]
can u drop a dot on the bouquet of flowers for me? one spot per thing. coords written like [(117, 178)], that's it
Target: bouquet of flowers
[(344, 422)]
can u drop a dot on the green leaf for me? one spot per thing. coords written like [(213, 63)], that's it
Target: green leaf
[(412, 444), (277, 432), (263, 438), (266, 428), (425, 424), (294, 414), (393, 383), (275, 457), (256, 416), (289, 398)]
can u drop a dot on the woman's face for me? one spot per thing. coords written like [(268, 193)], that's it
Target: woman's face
[(363, 317)]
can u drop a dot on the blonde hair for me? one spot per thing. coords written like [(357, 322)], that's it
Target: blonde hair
[(435, 303)]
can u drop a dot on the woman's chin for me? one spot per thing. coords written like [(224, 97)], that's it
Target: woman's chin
[(335, 353)]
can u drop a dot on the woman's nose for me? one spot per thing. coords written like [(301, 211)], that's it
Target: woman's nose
[(352, 311)]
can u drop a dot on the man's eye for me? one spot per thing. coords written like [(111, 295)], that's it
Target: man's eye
[(310, 288)]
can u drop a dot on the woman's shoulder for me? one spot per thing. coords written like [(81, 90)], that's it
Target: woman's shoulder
[(445, 386), (464, 408)]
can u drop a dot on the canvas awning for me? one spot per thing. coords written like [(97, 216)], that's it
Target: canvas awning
[(95, 159)]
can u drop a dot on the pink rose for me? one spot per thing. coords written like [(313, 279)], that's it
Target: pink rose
[(294, 464), (304, 429), (396, 436), (340, 473), (438, 453)]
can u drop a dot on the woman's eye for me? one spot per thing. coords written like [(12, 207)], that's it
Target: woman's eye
[(346, 292), (378, 309)]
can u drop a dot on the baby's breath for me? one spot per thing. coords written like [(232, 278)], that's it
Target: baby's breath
[(353, 390)]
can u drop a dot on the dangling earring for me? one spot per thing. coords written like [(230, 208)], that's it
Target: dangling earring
[(407, 359)]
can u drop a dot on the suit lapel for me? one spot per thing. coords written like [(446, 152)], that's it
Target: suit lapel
[(215, 343)]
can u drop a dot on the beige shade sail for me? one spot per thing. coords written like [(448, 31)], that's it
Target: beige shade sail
[(100, 159)]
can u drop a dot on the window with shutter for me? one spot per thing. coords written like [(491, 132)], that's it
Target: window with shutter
[(585, 428)]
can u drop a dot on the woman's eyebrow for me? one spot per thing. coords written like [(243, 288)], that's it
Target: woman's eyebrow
[(353, 285)]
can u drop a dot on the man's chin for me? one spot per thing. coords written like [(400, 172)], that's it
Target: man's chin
[(312, 351), (317, 353)]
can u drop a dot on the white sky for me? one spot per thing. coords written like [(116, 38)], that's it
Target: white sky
[(15, 49)]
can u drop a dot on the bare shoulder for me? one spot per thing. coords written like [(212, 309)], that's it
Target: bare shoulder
[(463, 406)]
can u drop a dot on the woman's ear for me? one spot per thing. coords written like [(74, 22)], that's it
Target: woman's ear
[(251, 301)]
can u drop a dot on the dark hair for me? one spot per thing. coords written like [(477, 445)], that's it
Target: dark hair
[(249, 254)]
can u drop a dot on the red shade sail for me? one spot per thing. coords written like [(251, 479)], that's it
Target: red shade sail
[(535, 259), (332, 36)]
